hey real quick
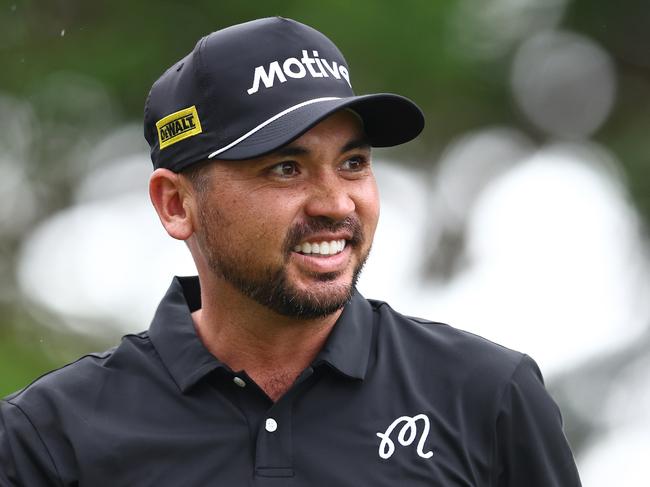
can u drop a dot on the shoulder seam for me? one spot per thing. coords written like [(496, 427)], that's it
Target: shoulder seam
[(142, 335), (39, 437), (378, 304), (424, 321), (499, 401), (98, 355)]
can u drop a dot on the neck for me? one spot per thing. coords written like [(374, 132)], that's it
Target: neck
[(271, 348)]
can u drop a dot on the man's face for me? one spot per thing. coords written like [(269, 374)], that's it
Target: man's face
[(292, 229)]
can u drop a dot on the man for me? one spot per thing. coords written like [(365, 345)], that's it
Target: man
[(270, 368)]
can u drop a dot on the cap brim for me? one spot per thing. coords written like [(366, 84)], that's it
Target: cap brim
[(388, 120)]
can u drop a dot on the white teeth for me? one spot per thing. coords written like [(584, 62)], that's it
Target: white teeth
[(323, 248)]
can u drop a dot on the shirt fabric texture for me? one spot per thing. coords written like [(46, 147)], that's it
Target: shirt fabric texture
[(390, 400)]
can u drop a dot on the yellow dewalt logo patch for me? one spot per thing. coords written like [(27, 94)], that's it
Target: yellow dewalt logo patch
[(178, 126)]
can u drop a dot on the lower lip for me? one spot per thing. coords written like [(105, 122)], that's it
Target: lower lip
[(331, 263)]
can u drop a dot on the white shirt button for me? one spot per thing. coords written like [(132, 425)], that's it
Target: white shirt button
[(271, 425), (239, 381)]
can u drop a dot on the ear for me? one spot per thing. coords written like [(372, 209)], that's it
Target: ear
[(173, 203)]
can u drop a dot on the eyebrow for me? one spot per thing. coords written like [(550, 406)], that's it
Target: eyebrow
[(356, 144), (297, 150)]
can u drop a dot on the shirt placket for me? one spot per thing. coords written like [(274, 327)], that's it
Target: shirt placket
[(271, 425), (274, 449)]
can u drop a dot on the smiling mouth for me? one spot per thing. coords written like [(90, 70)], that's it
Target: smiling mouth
[(321, 249)]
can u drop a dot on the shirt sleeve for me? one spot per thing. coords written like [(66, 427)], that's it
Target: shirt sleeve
[(24, 459), (531, 448)]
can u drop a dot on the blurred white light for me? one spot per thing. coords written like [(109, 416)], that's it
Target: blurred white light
[(619, 458), (472, 161), (128, 174), (17, 126), (628, 404), (119, 144), (104, 261), (557, 266), (18, 208), (401, 235), (615, 458), (564, 83)]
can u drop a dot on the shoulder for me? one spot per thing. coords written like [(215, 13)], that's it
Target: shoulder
[(76, 385), (441, 346)]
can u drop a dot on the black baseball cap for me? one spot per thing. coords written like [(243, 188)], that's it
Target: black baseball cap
[(251, 88)]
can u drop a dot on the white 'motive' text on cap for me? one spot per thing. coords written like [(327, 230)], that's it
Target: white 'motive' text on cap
[(292, 67)]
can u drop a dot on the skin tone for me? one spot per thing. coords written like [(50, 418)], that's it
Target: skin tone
[(251, 206)]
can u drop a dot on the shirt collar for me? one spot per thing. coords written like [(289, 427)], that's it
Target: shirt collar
[(347, 348), (174, 337)]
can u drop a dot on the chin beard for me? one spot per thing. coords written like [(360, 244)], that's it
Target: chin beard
[(273, 290), (270, 286)]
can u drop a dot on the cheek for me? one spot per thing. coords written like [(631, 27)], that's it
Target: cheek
[(368, 207), (260, 218)]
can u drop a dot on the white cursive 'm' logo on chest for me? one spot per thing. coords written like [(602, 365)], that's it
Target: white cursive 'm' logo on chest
[(406, 435)]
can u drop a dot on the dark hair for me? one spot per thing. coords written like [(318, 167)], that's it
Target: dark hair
[(197, 175)]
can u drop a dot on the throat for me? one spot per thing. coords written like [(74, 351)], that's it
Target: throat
[(276, 383), (271, 349)]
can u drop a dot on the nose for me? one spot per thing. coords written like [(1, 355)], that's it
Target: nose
[(329, 197)]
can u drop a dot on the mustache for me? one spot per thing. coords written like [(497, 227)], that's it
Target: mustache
[(300, 231)]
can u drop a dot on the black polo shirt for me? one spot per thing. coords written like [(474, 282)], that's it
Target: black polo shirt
[(389, 401)]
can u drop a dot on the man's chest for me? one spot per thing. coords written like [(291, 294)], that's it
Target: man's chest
[(310, 437)]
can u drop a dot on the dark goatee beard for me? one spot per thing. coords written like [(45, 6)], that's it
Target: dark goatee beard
[(270, 286)]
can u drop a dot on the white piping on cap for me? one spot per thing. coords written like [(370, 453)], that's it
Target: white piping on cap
[(272, 119)]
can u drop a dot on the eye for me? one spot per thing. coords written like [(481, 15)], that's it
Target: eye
[(285, 169), (355, 164)]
